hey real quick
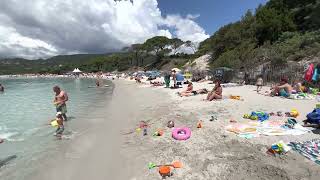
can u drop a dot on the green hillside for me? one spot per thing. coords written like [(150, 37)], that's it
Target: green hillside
[(280, 31)]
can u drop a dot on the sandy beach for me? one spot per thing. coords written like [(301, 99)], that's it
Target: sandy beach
[(111, 148)]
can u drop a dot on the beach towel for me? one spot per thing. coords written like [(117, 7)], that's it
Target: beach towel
[(309, 73), (267, 128), (314, 116), (301, 96), (308, 149)]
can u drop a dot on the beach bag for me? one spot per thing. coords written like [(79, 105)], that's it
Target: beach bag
[(314, 116), (309, 73)]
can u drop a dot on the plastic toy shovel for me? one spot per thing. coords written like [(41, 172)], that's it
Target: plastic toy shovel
[(175, 164)]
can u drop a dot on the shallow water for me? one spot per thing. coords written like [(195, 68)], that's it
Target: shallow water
[(26, 107)]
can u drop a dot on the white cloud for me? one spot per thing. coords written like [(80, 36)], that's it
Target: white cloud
[(186, 28), (42, 28), (12, 44), (193, 16)]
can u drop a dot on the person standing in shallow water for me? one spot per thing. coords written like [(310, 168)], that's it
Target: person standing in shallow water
[(1, 88), (60, 100)]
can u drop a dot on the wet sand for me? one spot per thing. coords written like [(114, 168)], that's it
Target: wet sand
[(100, 150), (104, 152)]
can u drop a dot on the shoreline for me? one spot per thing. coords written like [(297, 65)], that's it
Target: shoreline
[(75, 126), (103, 152), (100, 150)]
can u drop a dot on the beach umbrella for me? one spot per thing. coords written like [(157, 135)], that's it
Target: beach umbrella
[(76, 70), (176, 69)]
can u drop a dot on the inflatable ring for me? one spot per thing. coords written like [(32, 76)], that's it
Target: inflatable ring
[(54, 123), (181, 133)]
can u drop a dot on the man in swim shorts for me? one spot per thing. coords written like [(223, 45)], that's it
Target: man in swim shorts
[(60, 100), (284, 89)]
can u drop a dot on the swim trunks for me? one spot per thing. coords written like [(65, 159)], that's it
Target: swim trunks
[(62, 108), (283, 93), (59, 130)]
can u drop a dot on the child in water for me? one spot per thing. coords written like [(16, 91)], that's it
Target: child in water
[(60, 128)]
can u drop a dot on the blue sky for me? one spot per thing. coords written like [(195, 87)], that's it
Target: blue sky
[(213, 13)]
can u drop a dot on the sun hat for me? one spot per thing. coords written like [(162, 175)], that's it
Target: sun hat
[(58, 114)]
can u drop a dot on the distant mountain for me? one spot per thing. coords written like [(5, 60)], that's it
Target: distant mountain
[(67, 62)]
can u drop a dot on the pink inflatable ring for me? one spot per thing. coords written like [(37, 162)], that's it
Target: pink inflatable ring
[(181, 133)]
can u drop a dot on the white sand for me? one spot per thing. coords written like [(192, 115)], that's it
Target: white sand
[(213, 153)]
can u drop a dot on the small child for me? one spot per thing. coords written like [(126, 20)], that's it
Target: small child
[(60, 128), (259, 84)]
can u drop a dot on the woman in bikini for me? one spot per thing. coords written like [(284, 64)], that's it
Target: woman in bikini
[(216, 93), (189, 90)]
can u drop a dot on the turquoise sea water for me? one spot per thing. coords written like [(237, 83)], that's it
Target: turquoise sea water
[(26, 107)]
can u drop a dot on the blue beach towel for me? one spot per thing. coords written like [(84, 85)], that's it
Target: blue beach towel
[(308, 149)]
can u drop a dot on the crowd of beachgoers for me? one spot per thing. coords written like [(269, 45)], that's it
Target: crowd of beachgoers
[(79, 75), (283, 117)]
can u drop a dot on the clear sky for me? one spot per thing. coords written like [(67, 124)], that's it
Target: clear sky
[(213, 13)]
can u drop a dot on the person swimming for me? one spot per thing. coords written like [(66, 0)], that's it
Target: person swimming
[(97, 83), (1, 88)]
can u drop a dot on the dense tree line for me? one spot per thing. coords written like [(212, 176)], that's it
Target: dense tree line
[(281, 30)]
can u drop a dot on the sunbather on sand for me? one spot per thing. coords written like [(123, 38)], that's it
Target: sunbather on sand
[(156, 83), (193, 93), (297, 87), (189, 89), (284, 89), (216, 93)]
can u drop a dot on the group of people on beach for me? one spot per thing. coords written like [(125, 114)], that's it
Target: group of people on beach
[(284, 88), (214, 94)]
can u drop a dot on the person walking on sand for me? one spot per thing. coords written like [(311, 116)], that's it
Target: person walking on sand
[(1, 88), (259, 84), (174, 77), (60, 100)]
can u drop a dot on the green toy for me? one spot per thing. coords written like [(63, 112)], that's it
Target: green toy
[(254, 117), (152, 165)]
